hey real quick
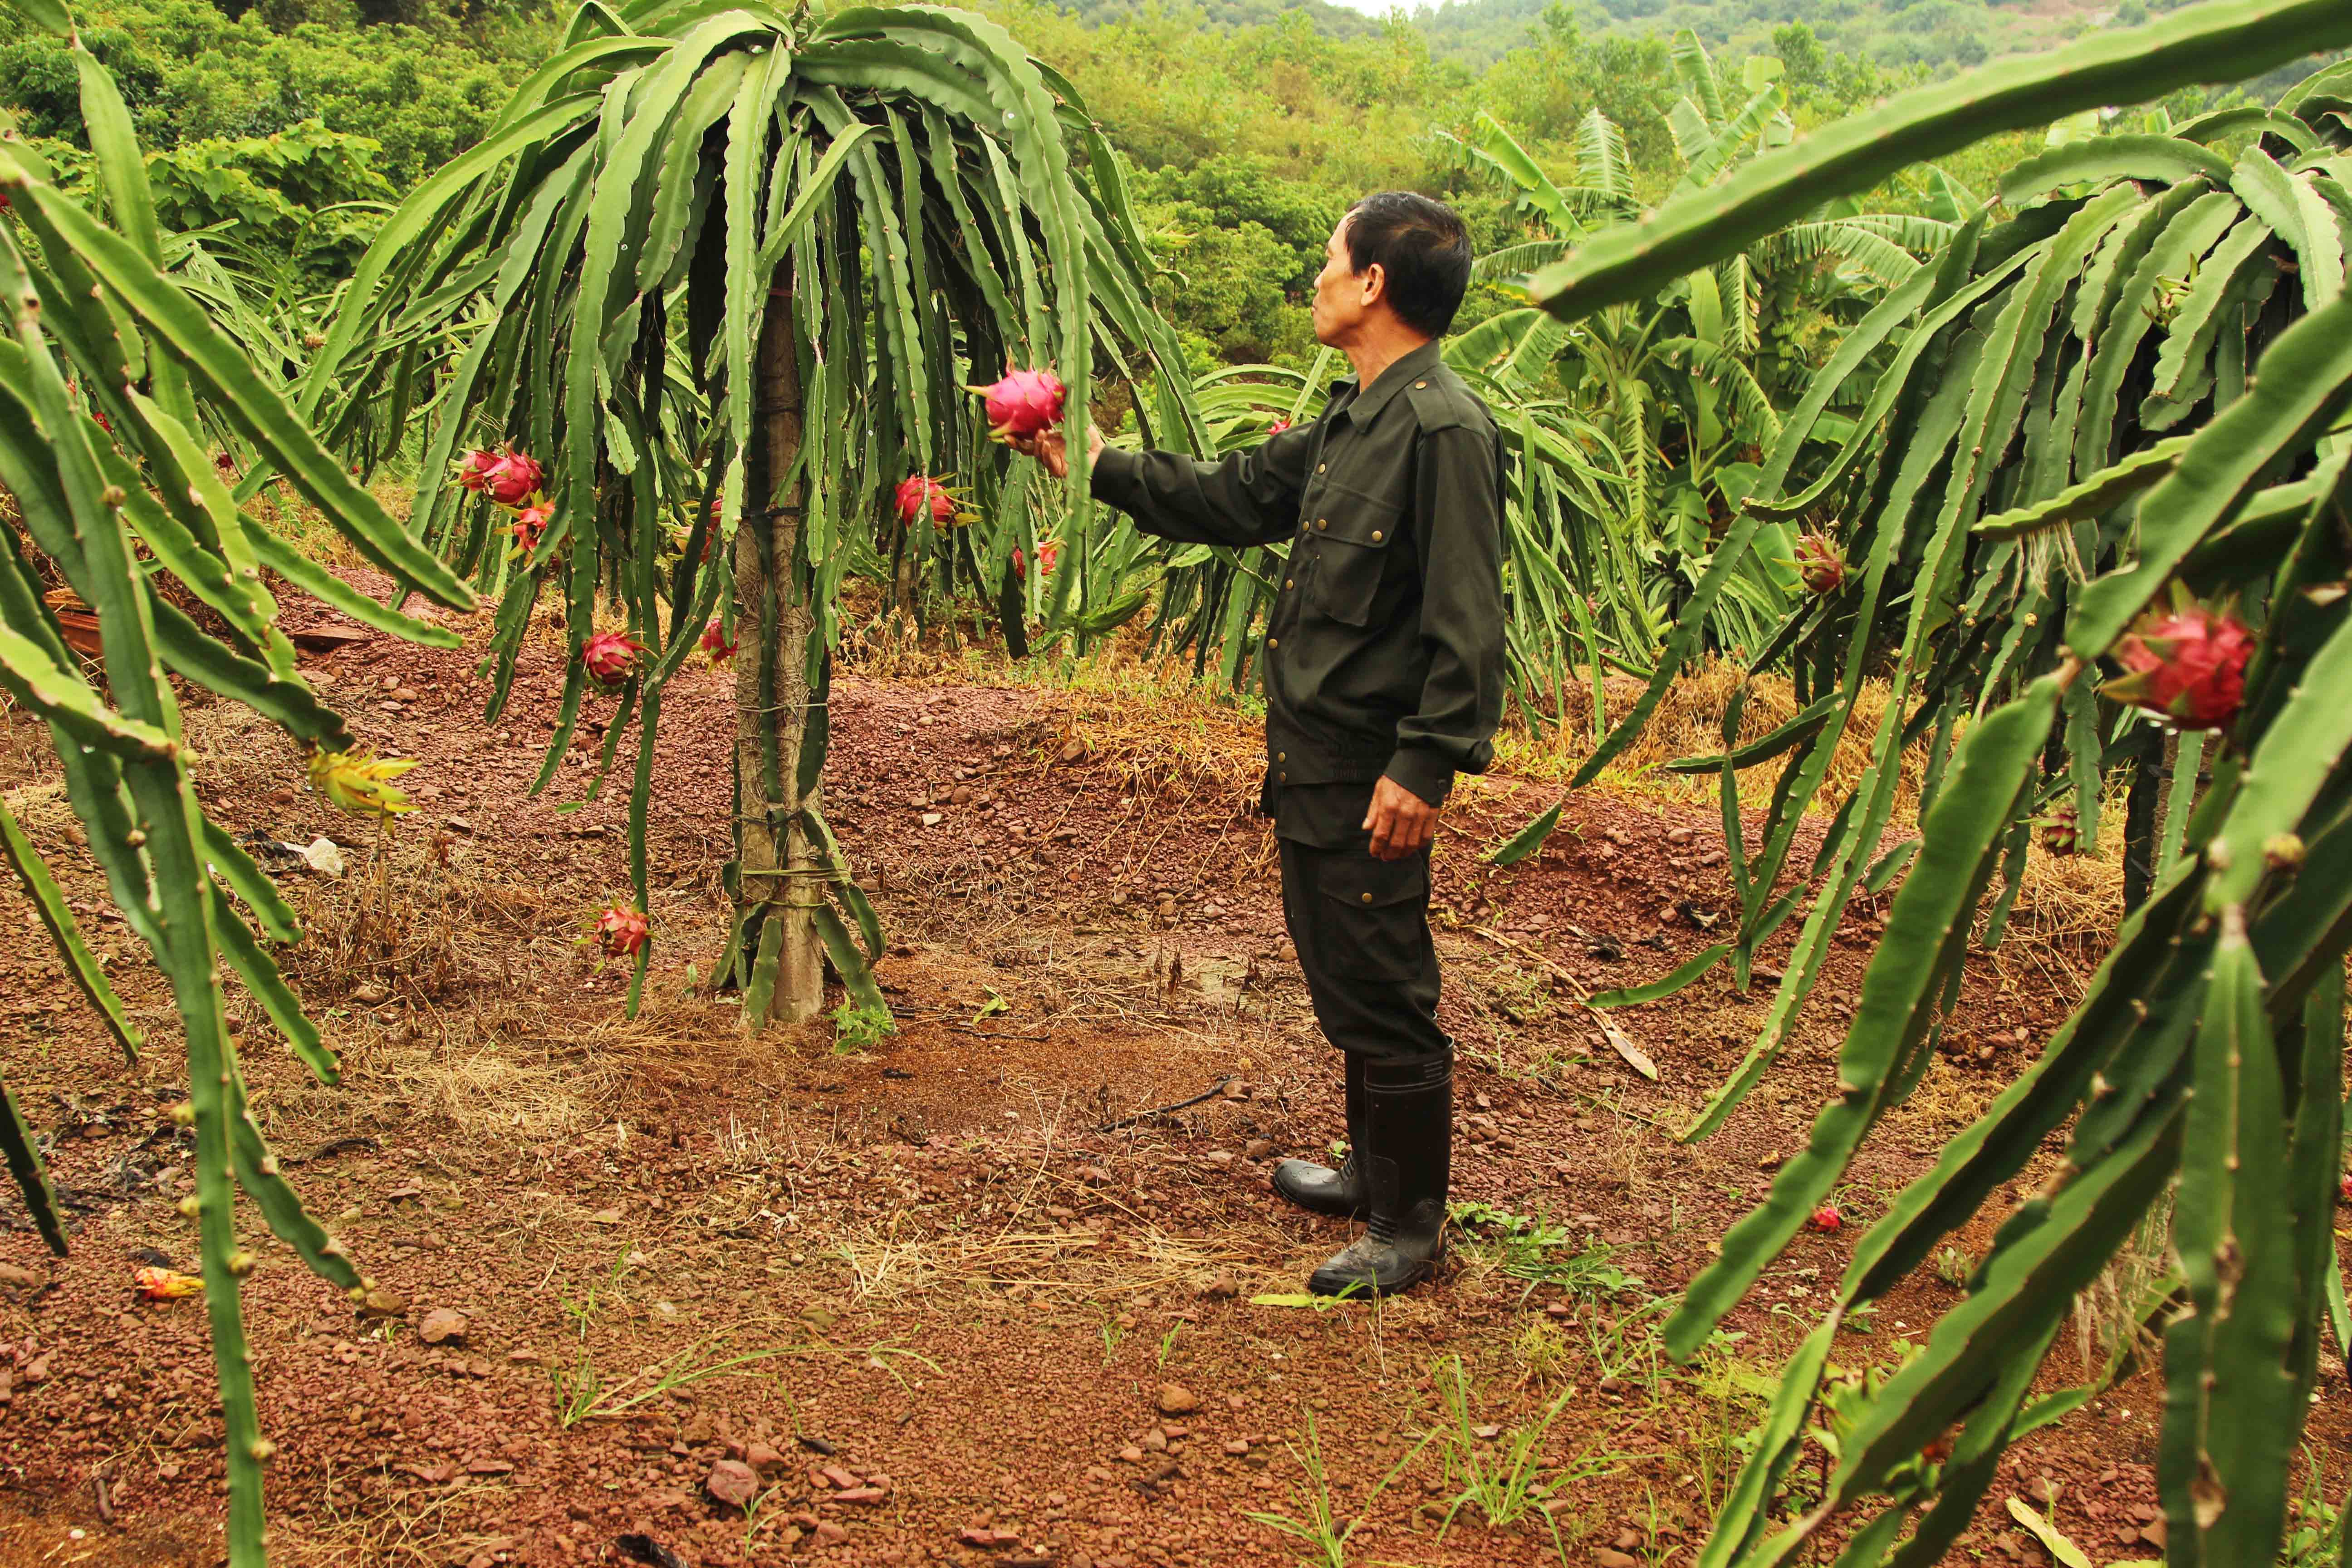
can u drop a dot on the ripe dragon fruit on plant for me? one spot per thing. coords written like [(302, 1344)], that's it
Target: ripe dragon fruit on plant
[(916, 491), (531, 522), (609, 657), (507, 476), (1821, 564), (717, 643), (1047, 554), (2187, 665), (623, 933), (2062, 829), (1022, 404)]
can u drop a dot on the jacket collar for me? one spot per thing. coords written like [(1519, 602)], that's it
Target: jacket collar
[(1364, 405)]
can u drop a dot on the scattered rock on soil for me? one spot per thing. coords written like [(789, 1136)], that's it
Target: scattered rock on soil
[(732, 1482), (441, 1325), (1175, 1399)]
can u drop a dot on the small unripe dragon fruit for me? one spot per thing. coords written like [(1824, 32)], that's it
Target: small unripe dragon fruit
[(1047, 554), (2061, 829), (918, 492), (1826, 1218), (531, 522), (358, 780), (609, 657), (717, 643), (623, 933), (1821, 564), (1024, 403), (2188, 664)]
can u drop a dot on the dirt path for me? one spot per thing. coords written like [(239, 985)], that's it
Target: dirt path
[(948, 1297)]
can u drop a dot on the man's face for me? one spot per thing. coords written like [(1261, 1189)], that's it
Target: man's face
[(1343, 297)]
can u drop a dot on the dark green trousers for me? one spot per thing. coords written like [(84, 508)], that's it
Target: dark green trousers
[(1361, 928)]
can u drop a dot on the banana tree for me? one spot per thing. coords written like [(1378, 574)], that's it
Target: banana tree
[(109, 375), (2104, 443), (729, 272)]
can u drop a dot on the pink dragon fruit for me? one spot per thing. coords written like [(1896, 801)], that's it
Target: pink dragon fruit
[(609, 657), (2188, 665), (1278, 426), (2062, 829), (623, 933), (1047, 554), (473, 469), (529, 523), (1821, 564), (916, 492), (1024, 403), (717, 643)]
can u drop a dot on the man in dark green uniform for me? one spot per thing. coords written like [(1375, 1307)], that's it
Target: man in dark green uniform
[(1383, 674)]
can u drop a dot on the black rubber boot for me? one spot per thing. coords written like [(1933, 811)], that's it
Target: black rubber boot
[(1319, 1189), (1407, 1163)]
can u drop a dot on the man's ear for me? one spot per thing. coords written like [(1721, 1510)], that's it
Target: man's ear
[(1376, 284)]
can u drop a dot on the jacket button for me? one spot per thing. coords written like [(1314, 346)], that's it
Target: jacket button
[(1320, 466), (1322, 522), (1282, 778), (1420, 385), (1274, 642), (1376, 536), (1282, 756), (1286, 582), (1367, 897)]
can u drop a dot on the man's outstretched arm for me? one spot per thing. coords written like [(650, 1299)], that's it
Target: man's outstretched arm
[(1249, 497)]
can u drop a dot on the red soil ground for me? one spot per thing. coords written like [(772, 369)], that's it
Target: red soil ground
[(946, 1293)]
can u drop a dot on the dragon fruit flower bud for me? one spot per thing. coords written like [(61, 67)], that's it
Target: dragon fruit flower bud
[(1821, 564), (717, 643), (609, 657), (2187, 665), (1023, 403)]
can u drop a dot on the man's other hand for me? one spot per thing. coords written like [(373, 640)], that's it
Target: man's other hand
[(1401, 822), (1049, 448)]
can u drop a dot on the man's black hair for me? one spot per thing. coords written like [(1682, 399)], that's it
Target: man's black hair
[(1423, 247)]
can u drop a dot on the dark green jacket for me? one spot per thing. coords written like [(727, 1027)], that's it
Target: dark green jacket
[(1384, 651)]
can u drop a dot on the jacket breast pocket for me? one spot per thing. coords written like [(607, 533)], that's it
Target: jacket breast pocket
[(1351, 547)]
